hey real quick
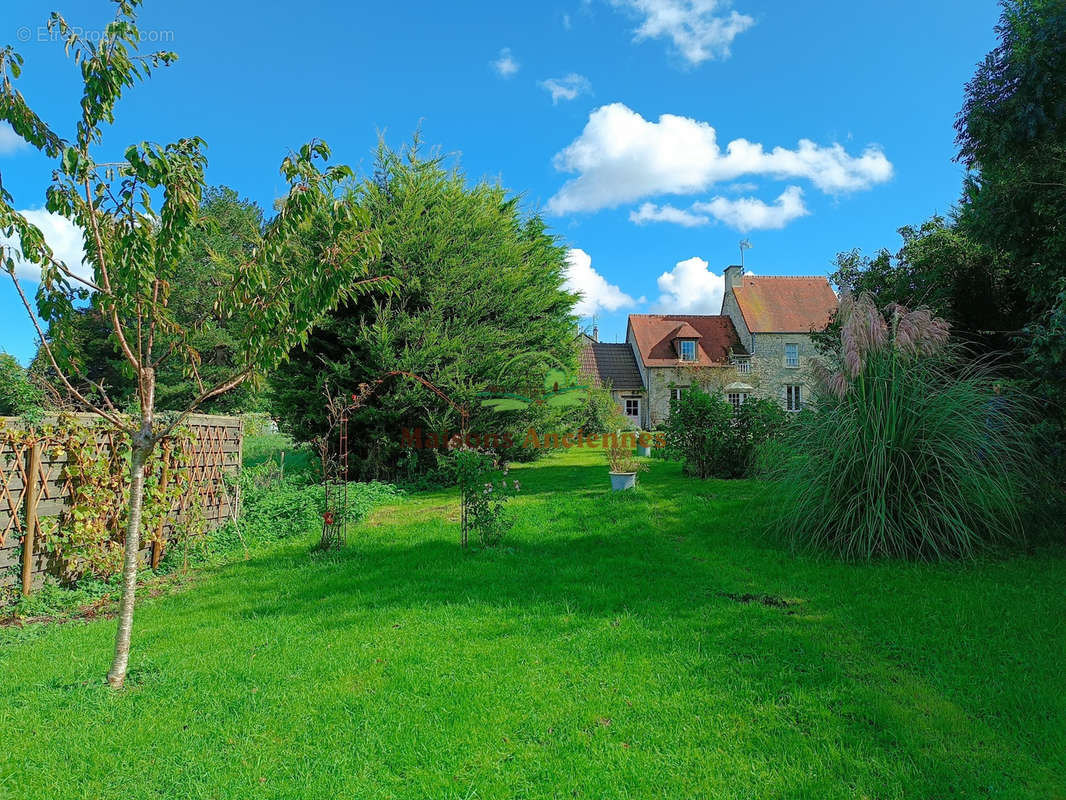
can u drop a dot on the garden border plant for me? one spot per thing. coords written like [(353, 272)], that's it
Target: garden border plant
[(909, 450)]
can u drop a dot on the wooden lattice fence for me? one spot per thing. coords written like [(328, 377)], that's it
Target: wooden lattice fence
[(210, 452)]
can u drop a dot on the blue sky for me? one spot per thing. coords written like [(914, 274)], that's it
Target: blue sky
[(617, 119)]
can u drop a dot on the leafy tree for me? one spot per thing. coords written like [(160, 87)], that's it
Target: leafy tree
[(597, 413), (939, 268), (18, 395), (1012, 137), (997, 270), (226, 231), (482, 309), (134, 251)]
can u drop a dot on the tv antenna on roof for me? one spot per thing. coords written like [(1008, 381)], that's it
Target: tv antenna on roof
[(744, 245)]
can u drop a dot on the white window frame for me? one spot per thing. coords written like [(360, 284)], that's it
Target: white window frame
[(793, 397), (790, 362), (741, 398), (684, 344), (675, 392), (625, 407)]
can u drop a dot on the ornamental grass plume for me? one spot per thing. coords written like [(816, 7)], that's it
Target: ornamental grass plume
[(909, 450), (863, 331)]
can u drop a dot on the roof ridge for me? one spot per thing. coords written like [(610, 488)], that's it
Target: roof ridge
[(682, 316), (790, 277)]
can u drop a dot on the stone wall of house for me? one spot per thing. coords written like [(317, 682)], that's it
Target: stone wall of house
[(662, 380), (732, 310), (768, 365)]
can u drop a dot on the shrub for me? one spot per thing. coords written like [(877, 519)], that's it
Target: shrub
[(712, 440), (482, 497), (908, 452), (598, 413), (19, 396)]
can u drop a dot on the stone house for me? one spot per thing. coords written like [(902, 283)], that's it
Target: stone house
[(758, 346), (774, 317)]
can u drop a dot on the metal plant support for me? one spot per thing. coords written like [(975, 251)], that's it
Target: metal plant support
[(335, 482), (335, 475)]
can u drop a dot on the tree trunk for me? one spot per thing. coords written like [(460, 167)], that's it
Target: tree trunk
[(117, 676), (143, 442)]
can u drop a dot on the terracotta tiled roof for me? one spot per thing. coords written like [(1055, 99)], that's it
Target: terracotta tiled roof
[(654, 335), (685, 331), (785, 304), (607, 362)]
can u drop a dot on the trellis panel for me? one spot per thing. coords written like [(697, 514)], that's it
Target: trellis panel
[(212, 452)]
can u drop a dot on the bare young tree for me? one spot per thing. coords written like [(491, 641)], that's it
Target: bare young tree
[(138, 217)]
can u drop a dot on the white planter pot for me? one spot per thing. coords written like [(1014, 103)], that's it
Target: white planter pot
[(623, 480)]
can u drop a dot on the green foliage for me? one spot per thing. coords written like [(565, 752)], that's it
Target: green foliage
[(86, 540), (18, 395), (226, 230), (481, 306), (938, 267), (907, 452), (996, 269), (712, 440), (147, 285), (55, 601), (482, 497), (280, 287), (1046, 357), (597, 413)]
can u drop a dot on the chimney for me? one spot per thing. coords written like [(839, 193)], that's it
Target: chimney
[(733, 275), (595, 334)]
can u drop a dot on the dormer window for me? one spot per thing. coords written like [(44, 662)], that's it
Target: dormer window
[(688, 349)]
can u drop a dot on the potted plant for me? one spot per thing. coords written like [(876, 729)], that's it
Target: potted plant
[(624, 468)]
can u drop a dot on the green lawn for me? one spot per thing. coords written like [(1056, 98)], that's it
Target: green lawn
[(599, 655)]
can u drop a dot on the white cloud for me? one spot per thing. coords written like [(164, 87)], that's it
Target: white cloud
[(620, 157), (62, 235), (649, 212), (751, 214), (698, 29), (566, 88), (743, 213), (596, 293), (690, 288), (9, 140), (505, 65)]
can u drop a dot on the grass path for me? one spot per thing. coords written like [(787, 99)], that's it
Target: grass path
[(607, 652)]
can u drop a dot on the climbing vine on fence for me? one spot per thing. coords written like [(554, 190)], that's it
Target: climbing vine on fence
[(87, 539)]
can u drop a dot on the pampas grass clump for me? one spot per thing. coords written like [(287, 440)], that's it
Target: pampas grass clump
[(908, 452)]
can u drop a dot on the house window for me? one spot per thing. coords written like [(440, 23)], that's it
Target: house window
[(633, 407), (793, 398), (737, 399), (688, 350), (792, 356), (675, 392), (743, 366)]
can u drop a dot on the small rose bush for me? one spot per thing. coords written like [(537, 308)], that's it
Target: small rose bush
[(484, 489)]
